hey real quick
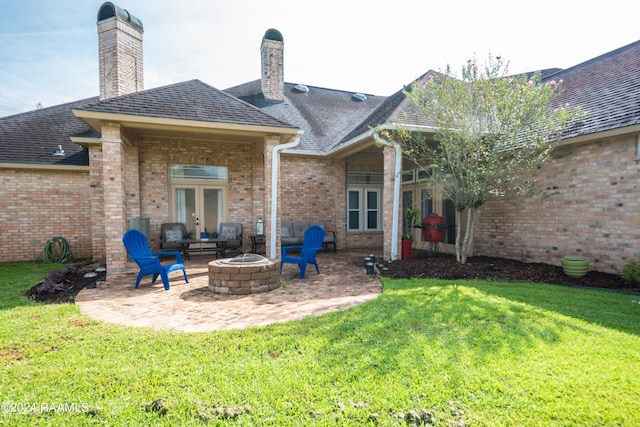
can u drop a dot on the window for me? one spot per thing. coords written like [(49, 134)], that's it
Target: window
[(449, 214), (365, 178), (372, 209), (363, 201), (363, 209), (206, 173), (426, 203), (423, 175), (407, 203), (408, 176), (353, 209), (198, 196)]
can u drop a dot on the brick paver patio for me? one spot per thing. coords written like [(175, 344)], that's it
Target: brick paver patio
[(342, 283)]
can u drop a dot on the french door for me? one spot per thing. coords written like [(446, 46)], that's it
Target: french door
[(200, 207)]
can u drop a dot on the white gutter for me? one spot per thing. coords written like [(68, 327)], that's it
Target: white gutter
[(396, 193), (275, 157)]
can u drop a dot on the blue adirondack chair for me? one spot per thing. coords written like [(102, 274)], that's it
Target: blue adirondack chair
[(312, 243), (149, 262)]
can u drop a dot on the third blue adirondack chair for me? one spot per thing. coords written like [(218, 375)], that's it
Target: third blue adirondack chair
[(312, 243), (149, 262)]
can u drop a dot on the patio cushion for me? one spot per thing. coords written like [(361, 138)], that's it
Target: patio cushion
[(291, 241), (228, 233), (170, 234), (173, 234), (292, 232), (329, 238), (299, 228)]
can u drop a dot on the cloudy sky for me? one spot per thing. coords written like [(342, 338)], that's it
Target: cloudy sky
[(48, 49)]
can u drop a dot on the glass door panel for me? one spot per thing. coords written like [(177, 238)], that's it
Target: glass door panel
[(449, 214), (199, 207), (184, 208), (407, 203), (212, 209)]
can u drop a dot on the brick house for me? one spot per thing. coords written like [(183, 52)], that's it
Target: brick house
[(268, 149)]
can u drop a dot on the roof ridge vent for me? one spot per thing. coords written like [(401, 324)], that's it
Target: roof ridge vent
[(359, 96), (301, 88)]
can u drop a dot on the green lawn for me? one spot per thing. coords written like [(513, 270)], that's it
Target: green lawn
[(453, 353)]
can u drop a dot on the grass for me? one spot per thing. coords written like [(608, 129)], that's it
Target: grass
[(452, 353)]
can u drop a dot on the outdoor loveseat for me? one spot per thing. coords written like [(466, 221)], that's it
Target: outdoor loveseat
[(292, 233)]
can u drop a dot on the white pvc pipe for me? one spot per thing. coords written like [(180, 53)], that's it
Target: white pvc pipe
[(396, 193), (275, 154)]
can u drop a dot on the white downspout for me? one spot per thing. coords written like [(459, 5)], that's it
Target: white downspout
[(396, 192), (275, 155)]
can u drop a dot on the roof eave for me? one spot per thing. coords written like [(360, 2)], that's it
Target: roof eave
[(94, 119), (84, 141), (365, 140), (590, 137), (77, 168)]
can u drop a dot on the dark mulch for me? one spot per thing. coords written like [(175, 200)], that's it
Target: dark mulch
[(64, 290), (421, 265)]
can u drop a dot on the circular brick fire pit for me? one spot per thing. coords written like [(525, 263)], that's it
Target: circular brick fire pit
[(242, 275)]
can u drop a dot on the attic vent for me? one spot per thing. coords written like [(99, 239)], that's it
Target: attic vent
[(301, 88), (359, 96)]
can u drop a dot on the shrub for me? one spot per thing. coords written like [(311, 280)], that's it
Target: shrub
[(631, 270)]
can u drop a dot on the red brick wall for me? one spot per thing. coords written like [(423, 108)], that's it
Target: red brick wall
[(38, 204), (590, 207)]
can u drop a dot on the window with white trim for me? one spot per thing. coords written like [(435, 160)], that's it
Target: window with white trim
[(363, 209), (354, 211), (198, 172), (364, 201)]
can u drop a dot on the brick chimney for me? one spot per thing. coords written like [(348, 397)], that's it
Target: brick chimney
[(272, 79), (120, 51)]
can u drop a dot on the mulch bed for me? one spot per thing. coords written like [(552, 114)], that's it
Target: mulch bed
[(67, 289), (421, 265)]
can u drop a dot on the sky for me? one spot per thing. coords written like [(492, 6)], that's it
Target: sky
[(49, 49)]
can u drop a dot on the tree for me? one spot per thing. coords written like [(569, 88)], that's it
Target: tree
[(492, 132)]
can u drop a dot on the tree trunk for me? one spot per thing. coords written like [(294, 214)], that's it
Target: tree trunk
[(458, 236), (468, 235)]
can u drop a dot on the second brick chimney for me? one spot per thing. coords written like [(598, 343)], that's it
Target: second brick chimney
[(120, 51), (272, 79)]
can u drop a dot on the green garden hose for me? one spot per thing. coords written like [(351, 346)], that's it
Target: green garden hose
[(57, 250)]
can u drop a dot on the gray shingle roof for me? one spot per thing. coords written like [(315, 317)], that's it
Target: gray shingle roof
[(190, 100), (325, 115), (395, 108), (32, 137), (607, 86)]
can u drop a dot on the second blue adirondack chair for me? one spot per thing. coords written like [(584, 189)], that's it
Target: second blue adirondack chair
[(149, 262), (312, 243)]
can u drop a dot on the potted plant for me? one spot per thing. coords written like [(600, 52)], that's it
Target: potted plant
[(413, 218), (575, 266)]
